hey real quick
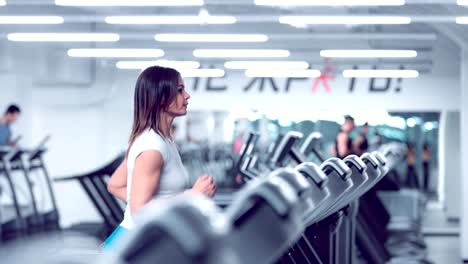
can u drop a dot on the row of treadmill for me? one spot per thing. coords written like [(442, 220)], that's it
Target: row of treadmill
[(290, 210), (31, 204)]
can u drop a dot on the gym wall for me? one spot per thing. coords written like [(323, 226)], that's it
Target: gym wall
[(89, 116)]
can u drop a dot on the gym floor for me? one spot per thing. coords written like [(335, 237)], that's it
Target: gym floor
[(444, 250), (52, 247), (441, 236)]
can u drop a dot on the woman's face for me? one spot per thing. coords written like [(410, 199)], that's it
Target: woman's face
[(178, 107)]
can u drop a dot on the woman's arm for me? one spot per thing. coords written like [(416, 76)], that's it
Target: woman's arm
[(117, 184), (145, 179)]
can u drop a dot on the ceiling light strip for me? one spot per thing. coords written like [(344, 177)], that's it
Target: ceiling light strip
[(241, 53), (31, 20), (330, 2), (136, 65), (345, 20), (129, 2), (242, 65), (63, 37), (116, 53), (368, 53), (211, 37), (169, 20), (380, 73)]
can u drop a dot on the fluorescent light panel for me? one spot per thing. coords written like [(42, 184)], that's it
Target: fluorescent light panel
[(169, 20), (368, 53), (31, 20), (206, 73), (2, 3), (345, 20), (380, 73), (462, 20), (282, 73), (241, 53), (138, 65), (242, 65), (330, 2), (64, 37), (116, 53), (462, 2), (129, 2), (211, 37)]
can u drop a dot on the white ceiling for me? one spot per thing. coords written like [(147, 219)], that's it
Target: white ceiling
[(432, 24)]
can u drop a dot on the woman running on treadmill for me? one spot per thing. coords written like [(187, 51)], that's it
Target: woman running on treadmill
[(153, 168), (343, 141)]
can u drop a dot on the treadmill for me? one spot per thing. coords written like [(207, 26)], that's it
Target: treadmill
[(49, 219), (18, 163), (224, 197), (13, 218)]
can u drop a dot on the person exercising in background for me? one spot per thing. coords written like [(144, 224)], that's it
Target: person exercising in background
[(412, 179), (343, 141), (361, 144), (152, 168), (426, 166), (10, 116)]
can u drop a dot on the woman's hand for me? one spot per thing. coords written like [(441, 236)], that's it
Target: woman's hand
[(205, 185)]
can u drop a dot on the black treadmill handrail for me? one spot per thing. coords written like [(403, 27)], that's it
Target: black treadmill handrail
[(313, 171), (34, 155), (354, 160), (108, 219), (116, 211), (40, 147), (15, 155), (380, 157), (106, 170), (310, 145), (297, 156), (274, 147), (267, 192), (283, 147), (95, 187), (245, 168), (5, 150), (244, 158), (370, 160), (295, 179), (337, 165)]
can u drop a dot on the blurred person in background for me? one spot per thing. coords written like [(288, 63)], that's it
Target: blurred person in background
[(361, 144), (10, 116), (411, 176), (426, 166), (343, 141)]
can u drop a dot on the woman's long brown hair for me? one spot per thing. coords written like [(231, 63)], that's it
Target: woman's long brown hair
[(155, 89)]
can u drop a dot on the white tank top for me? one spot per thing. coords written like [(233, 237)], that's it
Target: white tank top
[(174, 178)]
